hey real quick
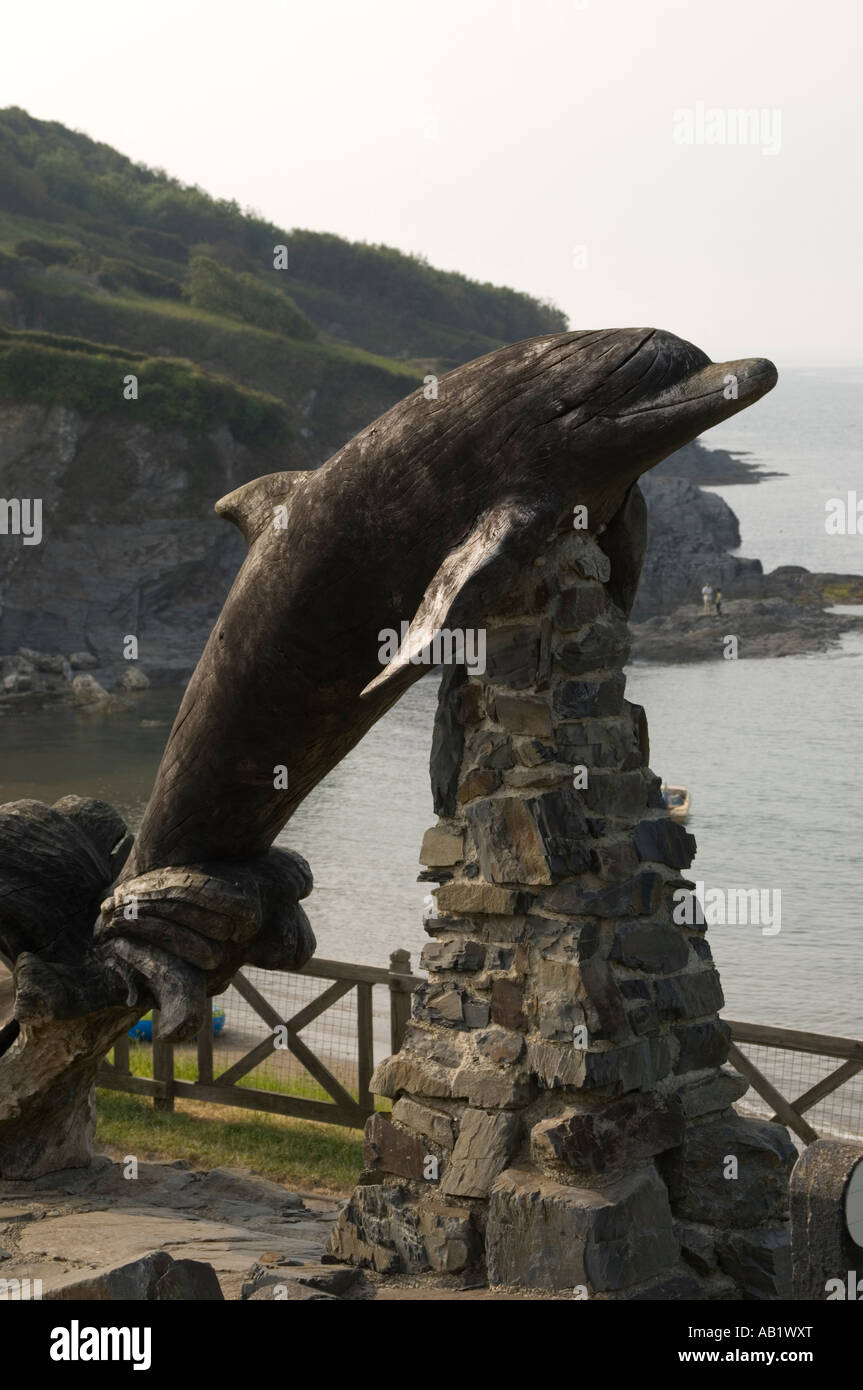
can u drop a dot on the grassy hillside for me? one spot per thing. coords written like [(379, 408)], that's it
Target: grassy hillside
[(89, 377), (95, 246)]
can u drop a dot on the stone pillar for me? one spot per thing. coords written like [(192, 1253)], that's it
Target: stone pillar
[(561, 1116), (827, 1194)]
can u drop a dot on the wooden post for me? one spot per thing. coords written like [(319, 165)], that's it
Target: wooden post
[(365, 1046), (786, 1112), (163, 1066), (121, 1055), (205, 1051), (400, 997)]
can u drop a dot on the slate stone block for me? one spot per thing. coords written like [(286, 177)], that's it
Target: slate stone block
[(665, 842), (657, 947), (759, 1261), (580, 699), (388, 1149), (512, 653), (544, 1234), (700, 1174), (621, 1133), (637, 896), (702, 1045), (485, 1144), (689, 996)]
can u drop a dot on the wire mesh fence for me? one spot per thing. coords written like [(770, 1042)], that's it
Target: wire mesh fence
[(305, 1043), (332, 1036), (838, 1116), (300, 1043)]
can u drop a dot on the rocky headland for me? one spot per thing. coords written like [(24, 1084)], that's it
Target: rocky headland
[(135, 550), (692, 537)]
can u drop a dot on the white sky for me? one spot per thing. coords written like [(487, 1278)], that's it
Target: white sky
[(496, 136)]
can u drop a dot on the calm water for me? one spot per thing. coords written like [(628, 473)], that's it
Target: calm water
[(809, 427), (769, 749)]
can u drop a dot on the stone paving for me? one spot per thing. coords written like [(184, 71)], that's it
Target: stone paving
[(74, 1230)]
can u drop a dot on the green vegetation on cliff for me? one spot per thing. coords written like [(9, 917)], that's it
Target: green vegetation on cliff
[(89, 377), (241, 296), (78, 215)]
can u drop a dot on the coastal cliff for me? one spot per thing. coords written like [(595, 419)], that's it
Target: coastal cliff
[(154, 356), (691, 535), (131, 547)]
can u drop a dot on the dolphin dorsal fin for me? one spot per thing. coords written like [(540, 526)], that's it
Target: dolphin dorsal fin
[(252, 507), (483, 557)]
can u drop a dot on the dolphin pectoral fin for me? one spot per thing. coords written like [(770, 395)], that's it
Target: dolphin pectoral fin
[(485, 554), (253, 506)]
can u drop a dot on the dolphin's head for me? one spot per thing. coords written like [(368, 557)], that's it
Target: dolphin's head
[(612, 404)]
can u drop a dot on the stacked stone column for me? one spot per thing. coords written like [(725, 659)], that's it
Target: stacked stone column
[(561, 1116)]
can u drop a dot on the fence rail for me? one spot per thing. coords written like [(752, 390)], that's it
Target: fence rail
[(800, 1051), (282, 1034), (791, 1072)]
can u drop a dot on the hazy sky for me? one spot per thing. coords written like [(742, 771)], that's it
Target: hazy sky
[(533, 143)]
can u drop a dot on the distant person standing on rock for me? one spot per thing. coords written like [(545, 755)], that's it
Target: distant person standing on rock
[(718, 603), (707, 597)]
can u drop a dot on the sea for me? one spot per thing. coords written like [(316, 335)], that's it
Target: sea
[(771, 751)]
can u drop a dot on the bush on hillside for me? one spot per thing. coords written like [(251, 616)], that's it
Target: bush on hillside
[(219, 290), (172, 393), (165, 245), (393, 303), (116, 274), (46, 252)]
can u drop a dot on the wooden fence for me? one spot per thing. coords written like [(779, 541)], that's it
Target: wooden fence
[(792, 1112), (345, 1109), (342, 1108)]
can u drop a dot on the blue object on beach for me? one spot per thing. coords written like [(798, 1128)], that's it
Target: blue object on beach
[(142, 1031)]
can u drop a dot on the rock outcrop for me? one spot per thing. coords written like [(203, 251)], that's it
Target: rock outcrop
[(129, 546), (689, 535), (711, 467)]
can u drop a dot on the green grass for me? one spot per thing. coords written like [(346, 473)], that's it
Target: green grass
[(171, 392), (58, 185), (233, 295), (307, 1156), (264, 1078), (312, 1157), (848, 590)]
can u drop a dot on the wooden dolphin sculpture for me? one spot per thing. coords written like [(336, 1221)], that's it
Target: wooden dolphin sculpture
[(423, 520), (432, 507)]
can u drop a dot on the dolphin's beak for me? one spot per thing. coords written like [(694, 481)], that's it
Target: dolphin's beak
[(711, 394)]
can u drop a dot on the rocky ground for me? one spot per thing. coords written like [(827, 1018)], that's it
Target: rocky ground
[(763, 627), (711, 467), (691, 539), (174, 1232), (32, 679), (93, 1233)]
